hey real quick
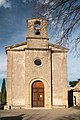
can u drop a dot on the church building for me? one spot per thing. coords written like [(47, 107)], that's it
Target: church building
[(37, 70)]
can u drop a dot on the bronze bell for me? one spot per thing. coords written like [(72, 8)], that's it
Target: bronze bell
[(37, 31)]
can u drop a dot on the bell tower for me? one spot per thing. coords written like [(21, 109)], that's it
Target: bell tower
[(37, 36)]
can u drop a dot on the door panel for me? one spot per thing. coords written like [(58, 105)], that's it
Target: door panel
[(41, 99), (34, 97), (38, 94)]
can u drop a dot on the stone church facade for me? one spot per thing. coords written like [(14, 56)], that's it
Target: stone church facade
[(36, 71)]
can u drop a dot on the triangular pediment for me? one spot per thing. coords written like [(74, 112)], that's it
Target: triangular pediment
[(23, 45)]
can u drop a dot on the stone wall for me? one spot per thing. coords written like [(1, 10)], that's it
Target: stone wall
[(34, 73), (18, 78), (59, 80)]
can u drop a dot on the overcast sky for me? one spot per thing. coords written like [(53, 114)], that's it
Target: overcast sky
[(13, 29)]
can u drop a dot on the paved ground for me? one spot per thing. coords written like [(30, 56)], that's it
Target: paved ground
[(40, 114)]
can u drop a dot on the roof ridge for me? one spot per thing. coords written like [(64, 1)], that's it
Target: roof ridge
[(16, 45), (58, 46)]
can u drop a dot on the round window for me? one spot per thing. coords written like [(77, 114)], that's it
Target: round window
[(37, 62)]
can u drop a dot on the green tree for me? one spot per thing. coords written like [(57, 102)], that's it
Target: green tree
[(3, 93), (73, 83)]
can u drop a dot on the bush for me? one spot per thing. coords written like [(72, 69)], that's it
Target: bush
[(73, 83)]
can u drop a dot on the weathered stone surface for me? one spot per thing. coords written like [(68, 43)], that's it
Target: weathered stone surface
[(22, 71)]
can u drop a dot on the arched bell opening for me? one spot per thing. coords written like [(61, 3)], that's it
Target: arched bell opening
[(37, 28)]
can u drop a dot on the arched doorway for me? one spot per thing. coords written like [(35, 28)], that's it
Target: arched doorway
[(38, 94)]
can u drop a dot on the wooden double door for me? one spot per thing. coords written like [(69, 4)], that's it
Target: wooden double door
[(38, 94)]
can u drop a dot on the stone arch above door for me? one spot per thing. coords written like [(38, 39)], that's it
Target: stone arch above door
[(47, 92)]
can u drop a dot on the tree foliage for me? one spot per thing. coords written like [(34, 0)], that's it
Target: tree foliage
[(3, 93), (0, 97), (73, 83), (64, 20)]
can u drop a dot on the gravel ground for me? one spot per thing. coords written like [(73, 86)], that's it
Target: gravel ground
[(40, 114)]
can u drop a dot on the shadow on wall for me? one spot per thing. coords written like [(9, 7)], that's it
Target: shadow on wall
[(12, 118)]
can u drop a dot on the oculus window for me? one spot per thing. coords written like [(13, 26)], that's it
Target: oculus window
[(37, 62)]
